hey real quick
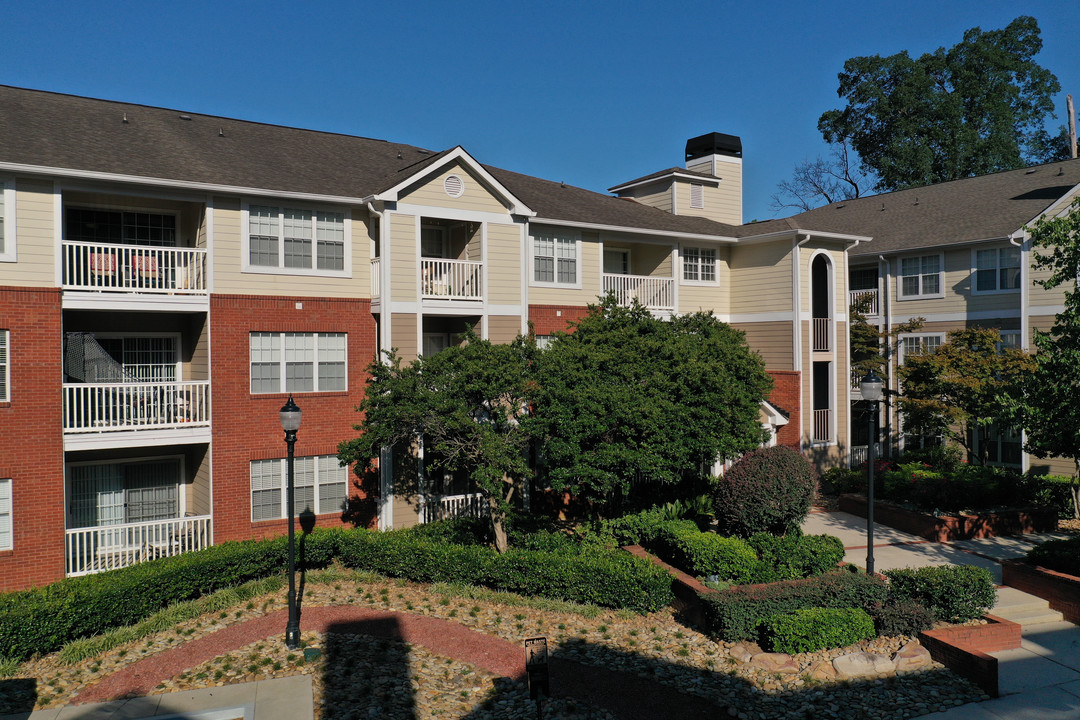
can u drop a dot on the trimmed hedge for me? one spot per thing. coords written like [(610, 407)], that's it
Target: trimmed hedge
[(680, 543), (810, 629), (901, 617), (1060, 555), (735, 614), (953, 593), (795, 556), (768, 490)]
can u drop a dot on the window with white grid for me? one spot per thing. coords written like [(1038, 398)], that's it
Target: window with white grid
[(555, 258), (296, 240), (5, 368), (922, 344), (699, 264), (997, 269), (320, 486), (921, 277), (5, 514), (298, 362)]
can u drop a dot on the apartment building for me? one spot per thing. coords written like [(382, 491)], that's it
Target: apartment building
[(168, 279)]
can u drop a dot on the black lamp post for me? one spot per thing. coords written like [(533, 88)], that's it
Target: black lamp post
[(290, 423), (871, 388)]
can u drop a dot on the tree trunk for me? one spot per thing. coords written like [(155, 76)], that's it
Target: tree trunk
[(1076, 490), (498, 524)]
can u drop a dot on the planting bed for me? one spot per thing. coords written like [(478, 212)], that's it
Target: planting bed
[(946, 528)]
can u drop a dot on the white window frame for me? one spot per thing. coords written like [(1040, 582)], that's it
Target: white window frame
[(7, 216), (5, 366), (280, 269), (901, 295), (1016, 344), (922, 337), (320, 465), (279, 347), (6, 515), (697, 196), (683, 256), (997, 289), (556, 235)]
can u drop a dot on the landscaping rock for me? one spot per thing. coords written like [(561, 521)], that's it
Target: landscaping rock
[(862, 664), (912, 656), (822, 670), (742, 653), (775, 663)]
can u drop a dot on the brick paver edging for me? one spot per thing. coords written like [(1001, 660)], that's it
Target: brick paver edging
[(628, 696)]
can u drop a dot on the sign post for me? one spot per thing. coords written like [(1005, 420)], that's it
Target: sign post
[(536, 665)]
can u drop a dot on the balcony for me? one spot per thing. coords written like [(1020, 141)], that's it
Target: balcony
[(376, 278), (822, 426), (111, 407), (134, 269), (96, 549), (443, 507), (822, 336), (866, 299), (451, 279), (655, 293)]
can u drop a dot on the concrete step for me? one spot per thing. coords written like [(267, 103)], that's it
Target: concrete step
[(1023, 608)]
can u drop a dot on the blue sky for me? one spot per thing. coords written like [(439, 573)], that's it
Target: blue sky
[(592, 94)]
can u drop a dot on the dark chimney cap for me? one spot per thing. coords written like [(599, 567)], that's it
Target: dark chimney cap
[(713, 144)]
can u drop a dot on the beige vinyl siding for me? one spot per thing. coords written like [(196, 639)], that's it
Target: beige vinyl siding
[(198, 490), (956, 285), (403, 268), (771, 340), (1053, 466), (1038, 297), (35, 239), (504, 264), (476, 196), (199, 363), (406, 511), (761, 278), (657, 195), (839, 277), (704, 298), (723, 203), (589, 266), (503, 328), (403, 335)]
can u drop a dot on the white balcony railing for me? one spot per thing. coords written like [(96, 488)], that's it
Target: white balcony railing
[(109, 407), (869, 297), (860, 454), (452, 506), (655, 293), (822, 426), (822, 340), (451, 279), (376, 278), (107, 547), (134, 268)]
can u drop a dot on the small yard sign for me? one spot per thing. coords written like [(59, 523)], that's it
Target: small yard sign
[(536, 665)]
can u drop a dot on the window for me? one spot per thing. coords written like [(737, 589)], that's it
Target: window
[(1003, 446), (555, 258), (1010, 339), (543, 342), (920, 277), (5, 514), (293, 239), (119, 227), (919, 344), (116, 493), (699, 264), (297, 362), (320, 486), (5, 368), (997, 269), (7, 221), (697, 196)]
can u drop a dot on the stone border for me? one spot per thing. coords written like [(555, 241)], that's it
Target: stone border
[(953, 527), (964, 649), (1060, 590)]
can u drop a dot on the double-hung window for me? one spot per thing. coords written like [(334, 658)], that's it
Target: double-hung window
[(295, 239), (922, 344), (7, 221), (320, 486), (920, 276), (555, 258), (5, 367), (5, 514), (699, 264), (997, 269), (297, 362)]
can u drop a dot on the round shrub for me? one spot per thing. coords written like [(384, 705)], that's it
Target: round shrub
[(1060, 555), (768, 490)]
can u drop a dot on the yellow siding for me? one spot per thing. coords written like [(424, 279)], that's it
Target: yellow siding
[(503, 328), (956, 284), (199, 364), (655, 195), (590, 266), (403, 335), (1040, 297), (1054, 466), (839, 276), (403, 270), (504, 264), (694, 298), (723, 203), (476, 197), (761, 278), (198, 491), (35, 239), (771, 340)]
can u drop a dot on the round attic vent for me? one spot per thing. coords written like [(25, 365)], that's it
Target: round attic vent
[(454, 185)]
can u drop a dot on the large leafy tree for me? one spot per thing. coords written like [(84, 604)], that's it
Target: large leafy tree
[(975, 108), (628, 401), (466, 403), (969, 384), (1052, 408)]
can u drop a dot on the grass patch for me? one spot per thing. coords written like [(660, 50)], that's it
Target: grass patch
[(8, 667), (501, 597)]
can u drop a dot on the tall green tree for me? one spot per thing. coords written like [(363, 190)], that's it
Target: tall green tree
[(629, 401), (467, 404), (975, 108), (1052, 400), (968, 385)]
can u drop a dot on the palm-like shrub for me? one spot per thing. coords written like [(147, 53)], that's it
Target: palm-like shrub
[(768, 490)]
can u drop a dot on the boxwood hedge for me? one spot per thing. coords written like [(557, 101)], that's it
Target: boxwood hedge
[(810, 629), (954, 593)]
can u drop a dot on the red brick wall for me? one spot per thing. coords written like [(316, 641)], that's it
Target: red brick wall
[(1061, 590), (547, 319), (786, 396), (247, 427), (32, 430)]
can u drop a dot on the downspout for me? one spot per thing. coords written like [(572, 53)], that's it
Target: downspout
[(1019, 240), (884, 322), (386, 458)]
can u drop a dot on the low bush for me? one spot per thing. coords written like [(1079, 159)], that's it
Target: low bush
[(636, 529), (680, 543), (837, 481), (953, 593), (734, 614), (795, 556), (460, 531), (810, 629), (901, 617), (768, 490), (1054, 491), (1060, 555)]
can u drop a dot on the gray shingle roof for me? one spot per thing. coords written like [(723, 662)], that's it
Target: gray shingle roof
[(663, 174)]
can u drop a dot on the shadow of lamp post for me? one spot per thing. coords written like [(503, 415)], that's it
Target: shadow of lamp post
[(290, 423), (871, 388)]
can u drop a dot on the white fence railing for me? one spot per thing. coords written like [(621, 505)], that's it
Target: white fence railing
[(870, 297), (822, 426), (860, 454), (107, 407), (822, 341), (107, 547), (452, 506), (376, 278), (451, 279), (134, 268), (655, 293)]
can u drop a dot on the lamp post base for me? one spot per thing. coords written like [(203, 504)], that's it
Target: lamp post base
[(292, 638)]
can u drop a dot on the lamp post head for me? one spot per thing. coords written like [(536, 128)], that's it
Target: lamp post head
[(290, 416), (871, 386)]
